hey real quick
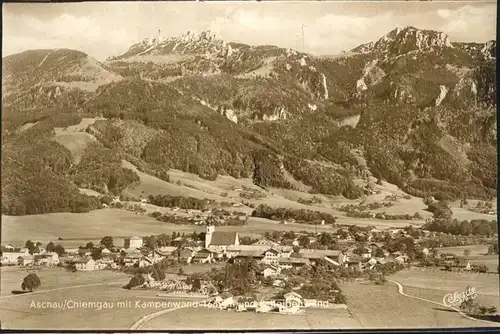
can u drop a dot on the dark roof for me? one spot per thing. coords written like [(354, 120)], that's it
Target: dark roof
[(293, 260), (201, 255), (223, 238), (253, 254)]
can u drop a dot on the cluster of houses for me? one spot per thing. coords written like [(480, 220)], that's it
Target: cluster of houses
[(21, 256), (215, 246), (291, 303)]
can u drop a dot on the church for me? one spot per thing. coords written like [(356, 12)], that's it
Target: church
[(219, 239)]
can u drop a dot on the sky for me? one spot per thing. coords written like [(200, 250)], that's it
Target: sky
[(107, 29)]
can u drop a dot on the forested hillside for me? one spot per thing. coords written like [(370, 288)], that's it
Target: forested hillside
[(422, 116)]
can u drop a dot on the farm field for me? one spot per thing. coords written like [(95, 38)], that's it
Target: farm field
[(210, 319), (54, 278), (485, 284), (437, 296), (75, 228), (17, 312), (78, 228), (475, 250), (478, 255), (381, 306)]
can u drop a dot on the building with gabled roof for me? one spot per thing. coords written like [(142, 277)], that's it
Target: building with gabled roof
[(265, 242), (219, 238)]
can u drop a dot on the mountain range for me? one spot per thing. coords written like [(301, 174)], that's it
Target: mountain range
[(412, 108)]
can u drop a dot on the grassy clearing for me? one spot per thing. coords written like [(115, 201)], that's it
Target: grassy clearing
[(77, 228), (475, 250), (486, 284), (84, 226), (53, 278), (380, 306), (437, 296), (16, 313), (74, 137), (150, 185)]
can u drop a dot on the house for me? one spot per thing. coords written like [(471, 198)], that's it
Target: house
[(72, 251), (100, 265), (85, 264), (314, 255), (355, 261), (226, 300), (48, 259), (293, 299), (271, 272), (105, 251), (185, 254), (285, 251), (203, 256), (371, 263), (131, 257), (108, 259), (161, 253), (248, 256), (13, 257), (234, 250), (266, 242), (219, 238), (133, 243), (292, 262), (271, 256), (25, 260)]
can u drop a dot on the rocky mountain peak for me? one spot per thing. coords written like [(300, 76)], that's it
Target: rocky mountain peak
[(189, 43), (403, 40)]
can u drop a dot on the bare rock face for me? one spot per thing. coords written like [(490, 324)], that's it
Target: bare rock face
[(231, 115), (442, 95), (280, 114), (403, 40), (325, 88)]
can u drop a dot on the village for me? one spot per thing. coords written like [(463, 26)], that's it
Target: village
[(284, 272)]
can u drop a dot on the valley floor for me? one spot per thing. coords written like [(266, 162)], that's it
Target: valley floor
[(369, 305)]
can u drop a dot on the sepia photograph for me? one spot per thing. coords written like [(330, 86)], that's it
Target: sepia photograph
[(242, 165)]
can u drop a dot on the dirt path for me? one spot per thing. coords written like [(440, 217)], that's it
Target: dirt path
[(401, 292), (142, 321)]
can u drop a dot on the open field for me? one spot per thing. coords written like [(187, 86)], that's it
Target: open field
[(54, 278), (194, 186), (438, 295), (475, 250), (75, 228), (485, 284), (477, 255), (18, 311), (210, 319), (381, 306), (150, 185)]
